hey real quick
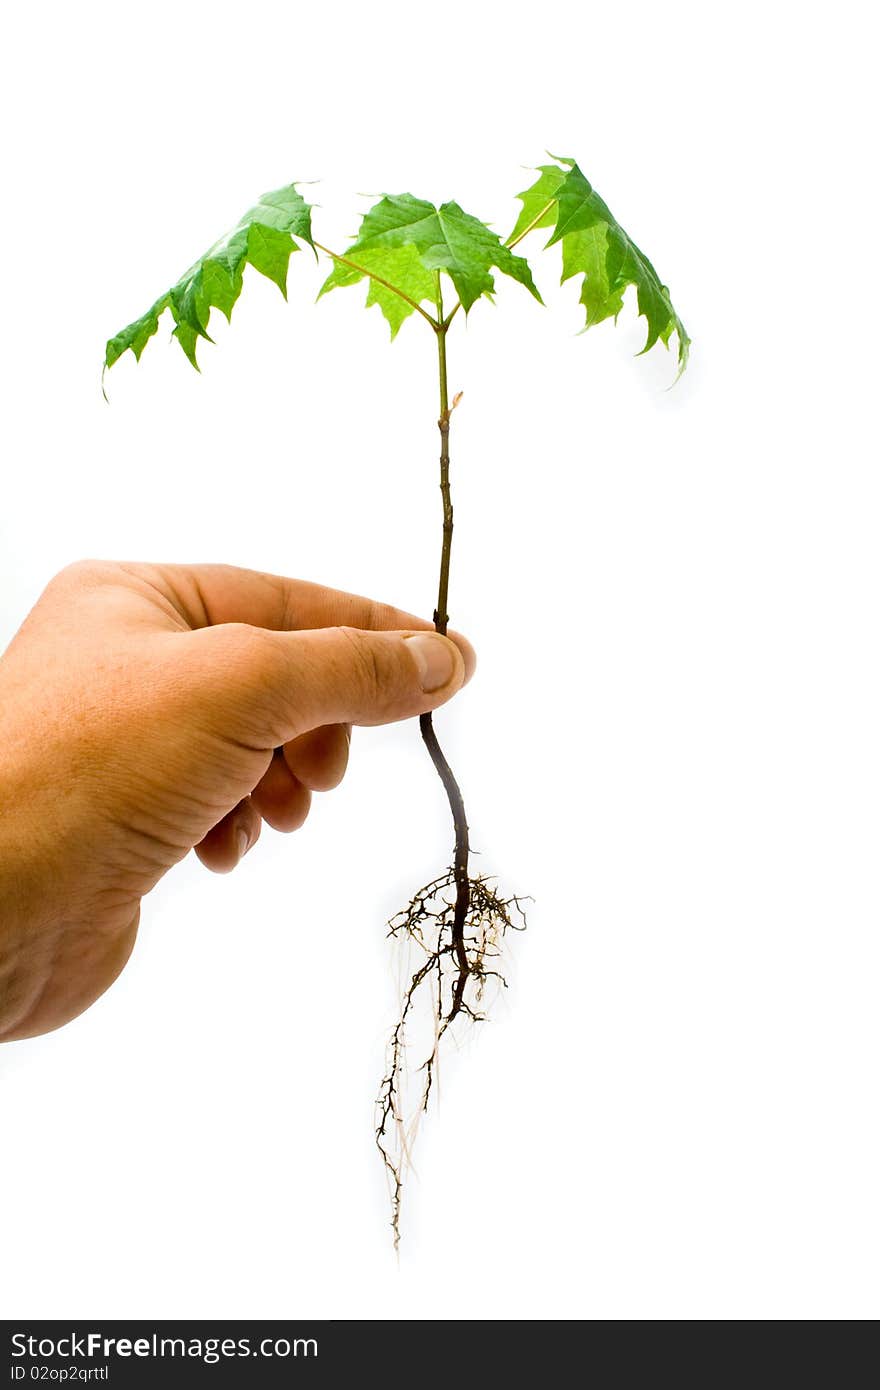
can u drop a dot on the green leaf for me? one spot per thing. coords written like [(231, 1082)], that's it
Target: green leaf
[(417, 237), (261, 238), (595, 245), (539, 201), (397, 265)]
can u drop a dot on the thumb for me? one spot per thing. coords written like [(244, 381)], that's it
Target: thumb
[(269, 687)]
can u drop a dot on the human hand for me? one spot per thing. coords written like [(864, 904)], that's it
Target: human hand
[(148, 710)]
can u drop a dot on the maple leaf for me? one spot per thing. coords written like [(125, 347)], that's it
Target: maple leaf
[(261, 238), (408, 241), (595, 245), (539, 202), (399, 267)]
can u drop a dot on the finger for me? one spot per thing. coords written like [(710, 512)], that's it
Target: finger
[(281, 799), (319, 758), (208, 595), (267, 688), (230, 839), (203, 596)]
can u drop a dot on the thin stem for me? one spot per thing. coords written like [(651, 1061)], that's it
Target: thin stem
[(362, 270), (426, 723), (441, 616), (460, 863)]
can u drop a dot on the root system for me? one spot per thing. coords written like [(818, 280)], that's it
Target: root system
[(457, 963)]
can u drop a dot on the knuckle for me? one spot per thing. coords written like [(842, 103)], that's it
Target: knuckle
[(250, 654), (245, 687), (372, 671), (81, 573)]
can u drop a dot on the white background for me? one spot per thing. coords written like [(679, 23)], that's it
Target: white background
[(672, 741)]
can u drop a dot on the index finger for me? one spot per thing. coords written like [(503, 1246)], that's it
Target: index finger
[(206, 595)]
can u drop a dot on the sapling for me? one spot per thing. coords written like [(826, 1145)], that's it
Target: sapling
[(435, 263)]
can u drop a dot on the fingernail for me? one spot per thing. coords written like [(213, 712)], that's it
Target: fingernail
[(434, 658), (243, 840)]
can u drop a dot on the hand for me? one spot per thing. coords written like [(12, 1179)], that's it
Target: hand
[(151, 709)]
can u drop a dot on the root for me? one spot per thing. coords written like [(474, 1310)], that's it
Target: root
[(458, 961)]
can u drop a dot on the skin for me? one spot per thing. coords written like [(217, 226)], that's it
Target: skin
[(151, 710)]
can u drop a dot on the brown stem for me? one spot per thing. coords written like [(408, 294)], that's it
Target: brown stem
[(426, 723)]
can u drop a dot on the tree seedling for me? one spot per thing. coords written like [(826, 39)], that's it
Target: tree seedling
[(432, 262)]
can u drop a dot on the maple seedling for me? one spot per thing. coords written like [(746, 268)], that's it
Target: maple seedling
[(419, 259)]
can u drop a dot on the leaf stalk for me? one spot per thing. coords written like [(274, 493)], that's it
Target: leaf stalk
[(362, 270)]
